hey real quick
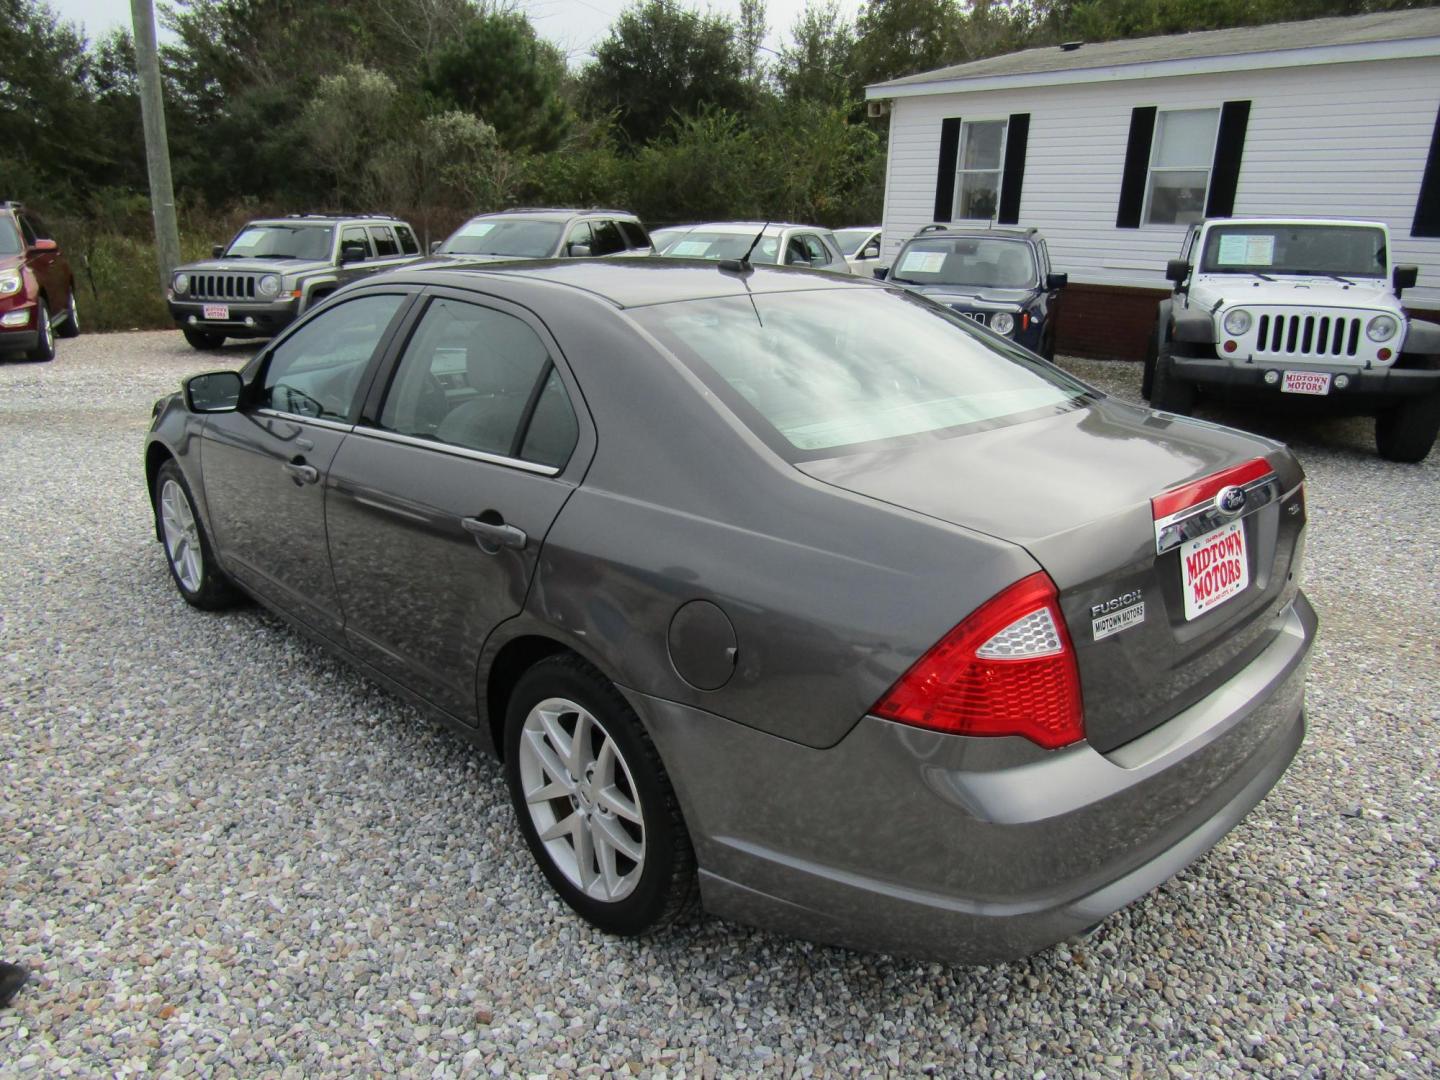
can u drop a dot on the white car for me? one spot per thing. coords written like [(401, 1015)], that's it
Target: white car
[(861, 246), (1298, 311), (779, 243)]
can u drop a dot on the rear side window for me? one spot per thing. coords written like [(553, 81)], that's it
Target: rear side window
[(608, 240), (386, 246), (819, 372), (407, 240)]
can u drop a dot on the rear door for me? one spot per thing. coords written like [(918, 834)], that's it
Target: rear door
[(441, 498)]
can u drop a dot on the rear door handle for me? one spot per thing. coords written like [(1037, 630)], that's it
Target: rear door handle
[(302, 473), (493, 535)]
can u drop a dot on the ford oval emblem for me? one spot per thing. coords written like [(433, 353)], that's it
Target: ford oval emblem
[(1230, 501)]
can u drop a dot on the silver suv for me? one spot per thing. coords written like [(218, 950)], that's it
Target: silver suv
[(546, 234)]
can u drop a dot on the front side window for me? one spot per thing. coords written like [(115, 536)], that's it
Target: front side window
[(966, 260), (580, 235), (276, 241), (355, 243), (491, 236), (977, 172), (1344, 250), (1181, 154), (472, 377), (316, 371), (820, 372)]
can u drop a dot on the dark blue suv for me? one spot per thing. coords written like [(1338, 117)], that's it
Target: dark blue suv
[(1001, 278)]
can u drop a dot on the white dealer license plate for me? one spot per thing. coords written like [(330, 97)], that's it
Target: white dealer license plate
[(1306, 382), (1213, 568), (217, 311)]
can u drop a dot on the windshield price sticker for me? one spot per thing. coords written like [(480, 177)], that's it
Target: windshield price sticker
[(1213, 568), (922, 262), (477, 228), (691, 247), (217, 311), (1243, 250), (1306, 382)]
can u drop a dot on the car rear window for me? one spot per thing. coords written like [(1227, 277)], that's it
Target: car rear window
[(822, 371)]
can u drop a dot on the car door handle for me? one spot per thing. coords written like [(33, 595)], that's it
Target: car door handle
[(302, 473), (493, 535)]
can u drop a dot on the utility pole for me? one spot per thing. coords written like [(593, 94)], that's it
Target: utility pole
[(157, 144)]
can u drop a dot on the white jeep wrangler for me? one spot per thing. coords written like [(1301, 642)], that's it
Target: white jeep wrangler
[(1300, 311)]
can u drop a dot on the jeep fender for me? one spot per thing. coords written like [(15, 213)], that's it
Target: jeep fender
[(1422, 337), (324, 285), (1189, 324)]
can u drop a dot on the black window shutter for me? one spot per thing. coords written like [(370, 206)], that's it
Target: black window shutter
[(1137, 167), (1013, 179), (945, 179), (1427, 207), (1229, 146)]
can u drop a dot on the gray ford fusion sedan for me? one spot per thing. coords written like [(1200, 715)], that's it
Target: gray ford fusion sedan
[(793, 595)]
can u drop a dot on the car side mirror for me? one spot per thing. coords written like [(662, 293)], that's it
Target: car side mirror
[(435, 246), (577, 251), (213, 392), (45, 244), (1056, 281), (218, 250), (881, 272), (1404, 278), (872, 250), (1177, 270), (352, 251)]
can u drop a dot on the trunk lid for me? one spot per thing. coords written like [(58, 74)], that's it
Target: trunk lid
[(1075, 490)]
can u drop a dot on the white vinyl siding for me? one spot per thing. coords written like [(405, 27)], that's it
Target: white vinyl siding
[(1349, 140)]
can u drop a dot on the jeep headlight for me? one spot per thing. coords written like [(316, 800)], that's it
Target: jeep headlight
[(1002, 322), (1381, 328), (10, 282), (268, 285), (1237, 322), (181, 284)]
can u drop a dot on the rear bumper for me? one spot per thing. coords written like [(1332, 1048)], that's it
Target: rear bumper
[(1364, 386), (973, 850)]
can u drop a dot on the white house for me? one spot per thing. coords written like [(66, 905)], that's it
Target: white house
[(1111, 149)]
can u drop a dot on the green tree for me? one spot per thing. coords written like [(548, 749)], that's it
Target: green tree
[(819, 64), (902, 37)]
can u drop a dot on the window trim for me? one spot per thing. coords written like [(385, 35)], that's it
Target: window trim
[(386, 435), (1151, 167), (961, 172)]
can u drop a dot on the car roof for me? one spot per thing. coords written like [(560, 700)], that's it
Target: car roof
[(329, 219), (630, 283), (749, 228), (1353, 222), (1000, 232), (554, 213)]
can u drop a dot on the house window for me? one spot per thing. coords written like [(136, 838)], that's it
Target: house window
[(1180, 159), (977, 175)]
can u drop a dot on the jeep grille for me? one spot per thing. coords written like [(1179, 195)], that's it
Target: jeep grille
[(1307, 335), (222, 286)]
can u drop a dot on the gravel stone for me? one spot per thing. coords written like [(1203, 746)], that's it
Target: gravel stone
[(226, 854)]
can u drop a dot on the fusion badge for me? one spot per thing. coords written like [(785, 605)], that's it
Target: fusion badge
[(1118, 614)]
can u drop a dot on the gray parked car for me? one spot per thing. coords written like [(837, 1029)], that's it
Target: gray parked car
[(798, 592), (768, 243), (547, 234), (274, 269)]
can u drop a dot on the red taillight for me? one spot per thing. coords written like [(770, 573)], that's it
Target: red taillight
[(1008, 669), (1182, 498)]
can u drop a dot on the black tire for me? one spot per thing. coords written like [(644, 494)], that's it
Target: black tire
[(44, 350), (1168, 393), (207, 586), (1407, 432), (202, 339), (1147, 373), (70, 328), (664, 889)]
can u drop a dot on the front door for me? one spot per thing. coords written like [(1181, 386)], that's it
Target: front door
[(441, 499), (265, 465)]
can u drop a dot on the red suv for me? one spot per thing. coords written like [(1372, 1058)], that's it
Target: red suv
[(37, 289)]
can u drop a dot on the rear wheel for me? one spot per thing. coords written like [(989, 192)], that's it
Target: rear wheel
[(593, 800), (188, 551), (70, 328), (202, 339), (45, 347), (1147, 374), (1167, 392), (1407, 432)]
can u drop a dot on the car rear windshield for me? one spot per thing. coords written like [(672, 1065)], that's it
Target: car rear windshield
[(851, 239), (822, 371), (697, 244), (1347, 250), (9, 238), (282, 242), (528, 239), (966, 260)]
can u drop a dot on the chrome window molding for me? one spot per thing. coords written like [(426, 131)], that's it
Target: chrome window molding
[(333, 425), (457, 451)]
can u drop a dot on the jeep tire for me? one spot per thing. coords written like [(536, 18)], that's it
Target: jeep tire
[(1167, 392), (202, 339), (1407, 432), (1147, 373)]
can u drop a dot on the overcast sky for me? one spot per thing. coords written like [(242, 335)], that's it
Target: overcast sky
[(575, 25)]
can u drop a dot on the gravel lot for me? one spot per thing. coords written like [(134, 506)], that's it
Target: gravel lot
[(225, 853)]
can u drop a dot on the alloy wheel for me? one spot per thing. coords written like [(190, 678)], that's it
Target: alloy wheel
[(182, 536)]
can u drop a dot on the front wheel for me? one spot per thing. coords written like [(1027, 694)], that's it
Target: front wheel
[(1167, 392), (593, 800), (1407, 432), (202, 339), (188, 551)]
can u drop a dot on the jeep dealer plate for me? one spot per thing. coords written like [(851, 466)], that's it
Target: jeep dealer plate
[(217, 311), (1306, 382), (1213, 568)]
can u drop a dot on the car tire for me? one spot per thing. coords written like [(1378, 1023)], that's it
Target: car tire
[(607, 786), (70, 328), (1406, 432), (188, 551), (1168, 393), (202, 339), (1147, 372), (44, 350)]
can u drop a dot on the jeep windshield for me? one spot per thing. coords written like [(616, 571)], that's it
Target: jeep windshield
[(1340, 250), (523, 239), (282, 242), (818, 372), (984, 262)]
